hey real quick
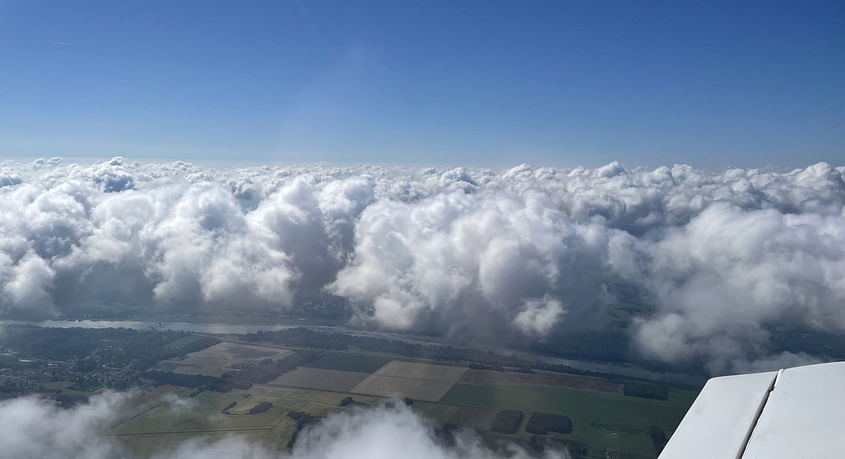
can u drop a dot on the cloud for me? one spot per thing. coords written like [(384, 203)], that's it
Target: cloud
[(714, 262), (35, 427), (538, 316), (9, 178), (27, 284), (471, 264), (724, 278), (387, 429)]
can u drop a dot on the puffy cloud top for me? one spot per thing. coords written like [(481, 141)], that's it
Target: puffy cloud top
[(720, 260)]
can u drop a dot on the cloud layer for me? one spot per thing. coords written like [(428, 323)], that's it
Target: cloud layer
[(718, 260), (34, 427)]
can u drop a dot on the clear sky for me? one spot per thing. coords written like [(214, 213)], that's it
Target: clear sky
[(474, 82)]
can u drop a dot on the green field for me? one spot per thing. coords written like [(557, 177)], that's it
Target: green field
[(601, 420), (435, 412), (63, 387), (635, 444), (347, 361), (574, 403), (477, 418)]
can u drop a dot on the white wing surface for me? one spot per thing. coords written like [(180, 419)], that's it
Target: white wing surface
[(794, 413)]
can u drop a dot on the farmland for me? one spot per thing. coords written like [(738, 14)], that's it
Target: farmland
[(217, 359), (576, 403), (477, 418), (419, 381), (205, 388), (613, 421), (203, 417), (317, 378), (348, 361), (497, 404), (600, 419)]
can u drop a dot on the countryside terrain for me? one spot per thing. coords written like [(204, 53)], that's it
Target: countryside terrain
[(268, 386)]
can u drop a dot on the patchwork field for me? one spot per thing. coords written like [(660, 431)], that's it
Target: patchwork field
[(417, 389), (418, 381), (540, 378), (576, 403), (155, 426), (217, 359), (616, 422), (605, 422), (426, 371), (320, 379), (346, 361)]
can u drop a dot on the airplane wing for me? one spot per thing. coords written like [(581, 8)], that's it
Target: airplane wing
[(794, 413)]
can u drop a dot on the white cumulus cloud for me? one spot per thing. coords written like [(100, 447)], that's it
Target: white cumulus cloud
[(716, 261)]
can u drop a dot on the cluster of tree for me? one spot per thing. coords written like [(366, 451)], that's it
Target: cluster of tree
[(617, 379), (260, 372), (543, 423), (488, 358), (349, 401), (266, 370), (302, 337), (560, 368), (658, 438), (66, 400), (507, 421), (481, 366), (260, 408), (303, 420), (229, 407), (646, 390), (9, 387), (196, 381)]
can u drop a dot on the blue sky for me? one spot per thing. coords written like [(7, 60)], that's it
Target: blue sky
[(494, 83)]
